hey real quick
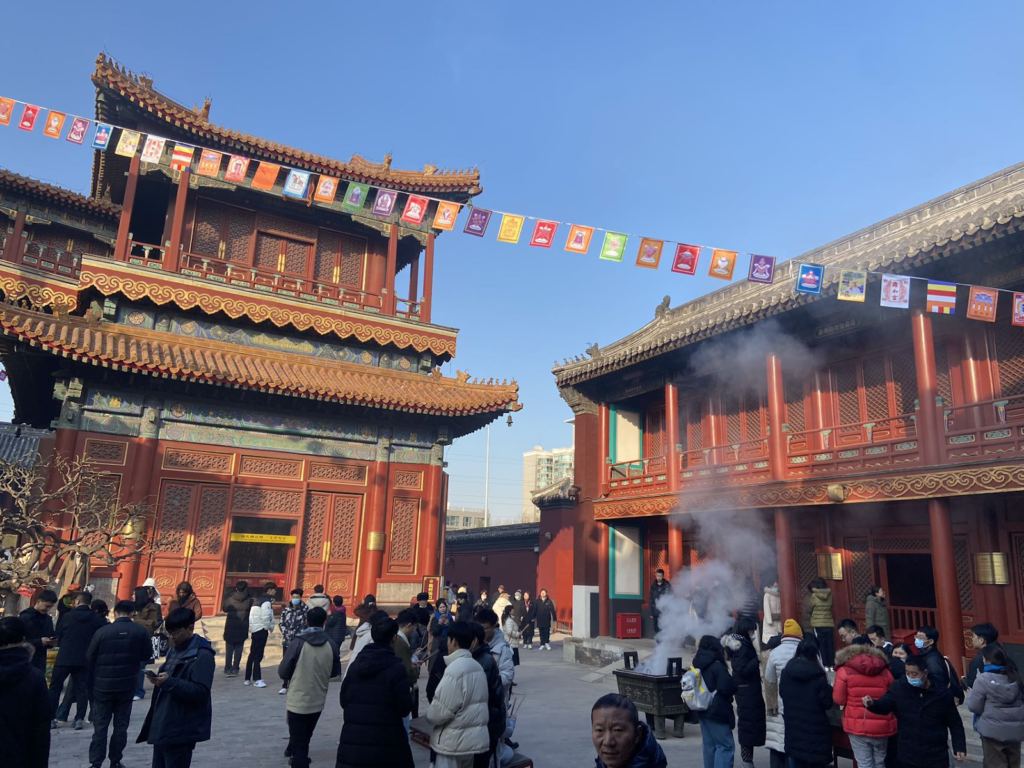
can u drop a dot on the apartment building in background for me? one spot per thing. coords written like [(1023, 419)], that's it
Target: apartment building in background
[(540, 469), (461, 518)]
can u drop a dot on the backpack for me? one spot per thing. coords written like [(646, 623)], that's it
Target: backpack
[(955, 687), (695, 694)]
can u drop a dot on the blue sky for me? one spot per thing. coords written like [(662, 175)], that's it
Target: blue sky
[(763, 127)]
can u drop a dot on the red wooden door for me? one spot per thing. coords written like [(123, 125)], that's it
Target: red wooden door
[(330, 543)]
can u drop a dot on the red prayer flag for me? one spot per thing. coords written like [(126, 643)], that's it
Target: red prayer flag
[(28, 117)]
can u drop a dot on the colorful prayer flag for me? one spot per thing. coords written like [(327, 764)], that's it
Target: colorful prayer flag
[(613, 247), (685, 260), (895, 291), (266, 176), (101, 138), (1017, 318), (809, 278), (128, 143), (579, 238), (415, 210), (54, 124), (326, 189), (510, 229), (355, 196), (722, 264), (296, 184), (853, 285), (28, 117), (181, 158), (649, 255), (6, 110), (153, 150), (982, 304), (941, 297), (384, 203), (209, 163), (543, 234), (238, 166), (477, 223), (762, 269), (79, 127), (445, 216)]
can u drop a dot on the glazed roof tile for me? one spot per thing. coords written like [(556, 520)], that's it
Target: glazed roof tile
[(898, 244), (165, 354), (139, 88), (24, 184)]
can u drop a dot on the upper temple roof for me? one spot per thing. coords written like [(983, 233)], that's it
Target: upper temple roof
[(897, 245), (112, 77)]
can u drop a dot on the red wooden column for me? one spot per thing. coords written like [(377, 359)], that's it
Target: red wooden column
[(928, 432), (124, 226), (389, 274), (675, 531), (786, 564), (602, 449), (16, 241), (947, 593), (776, 410), (373, 552), (173, 255), (433, 523), (428, 280), (414, 281), (604, 591), (142, 471)]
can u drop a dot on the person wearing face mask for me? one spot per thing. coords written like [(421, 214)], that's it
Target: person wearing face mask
[(621, 740), (924, 715), (940, 673), (751, 723), (293, 621)]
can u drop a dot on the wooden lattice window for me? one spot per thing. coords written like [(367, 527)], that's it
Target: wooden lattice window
[(754, 414), (353, 256), (904, 379), (847, 397), (222, 231), (860, 568), (339, 259), (876, 395), (731, 409), (654, 432), (1010, 357), (691, 425), (313, 529), (944, 387), (794, 390)]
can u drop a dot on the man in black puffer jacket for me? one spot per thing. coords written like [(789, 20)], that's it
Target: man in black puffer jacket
[(806, 698), (24, 703), (74, 633), (496, 711), (115, 655), (375, 697)]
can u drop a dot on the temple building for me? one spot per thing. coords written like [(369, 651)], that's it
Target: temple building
[(264, 371), (872, 445)]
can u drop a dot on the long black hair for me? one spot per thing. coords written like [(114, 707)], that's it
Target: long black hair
[(993, 654), (808, 649), (713, 645)]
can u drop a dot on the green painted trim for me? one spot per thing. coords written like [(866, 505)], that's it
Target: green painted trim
[(613, 418), (612, 533)]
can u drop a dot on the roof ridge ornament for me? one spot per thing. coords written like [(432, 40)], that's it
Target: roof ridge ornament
[(662, 309)]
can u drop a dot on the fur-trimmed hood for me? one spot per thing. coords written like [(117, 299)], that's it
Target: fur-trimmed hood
[(865, 659)]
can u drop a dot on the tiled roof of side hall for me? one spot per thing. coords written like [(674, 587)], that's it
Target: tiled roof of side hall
[(897, 244)]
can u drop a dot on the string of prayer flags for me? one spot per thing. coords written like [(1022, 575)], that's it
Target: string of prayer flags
[(28, 117), (238, 166), (326, 189), (128, 143), (614, 246), (941, 297), (982, 304), (649, 255), (896, 291), (266, 176), (101, 139), (723, 263), (477, 222), (153, 150), (415, 210), (445, 215), (579, 238), (809, 278), (296, 184), (685, 260), (510, 229), (54, 124), (79, 127), (543, 234), (6, 110), (853, 285), (1017, 316), (181, 158), (209, 163), (384, 203), (762, 269), (355, 196)]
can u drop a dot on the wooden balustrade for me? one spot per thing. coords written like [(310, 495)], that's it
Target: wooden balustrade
[(905, 620)]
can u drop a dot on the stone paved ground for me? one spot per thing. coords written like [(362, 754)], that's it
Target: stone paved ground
[(249, 727)]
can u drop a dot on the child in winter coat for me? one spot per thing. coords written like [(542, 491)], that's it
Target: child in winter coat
[(863, 671), (997, 698)]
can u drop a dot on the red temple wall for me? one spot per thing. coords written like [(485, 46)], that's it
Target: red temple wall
[(515, 568)]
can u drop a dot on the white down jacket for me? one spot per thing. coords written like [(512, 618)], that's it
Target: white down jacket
[(459, 709), (775, 737), (261, 615)]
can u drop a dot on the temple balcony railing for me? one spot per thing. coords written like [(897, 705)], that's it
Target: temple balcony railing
[(638, 476), (851, 448), (41, 257), (988, 429), (730, 464)]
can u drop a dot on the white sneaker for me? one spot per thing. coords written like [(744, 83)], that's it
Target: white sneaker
[(247, 682), (547, 646), (136, 698), (260, 684), (283, 691)]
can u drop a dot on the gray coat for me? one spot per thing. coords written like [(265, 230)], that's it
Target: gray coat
[(999, 704)]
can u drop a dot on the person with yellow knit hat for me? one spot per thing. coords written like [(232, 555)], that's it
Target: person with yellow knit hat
[(775, 740)]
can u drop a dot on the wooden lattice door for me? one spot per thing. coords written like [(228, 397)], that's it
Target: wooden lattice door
[(190, 541), (330, 543)]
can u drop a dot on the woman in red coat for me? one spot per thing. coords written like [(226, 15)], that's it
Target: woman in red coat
[(864, 671)]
